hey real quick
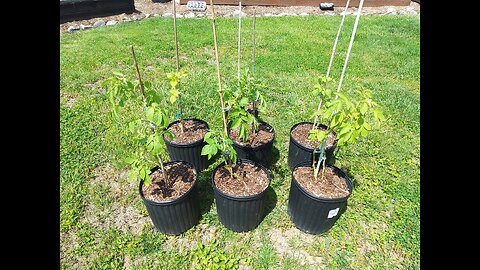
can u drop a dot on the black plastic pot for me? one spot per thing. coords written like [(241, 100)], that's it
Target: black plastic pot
[(262, 154), (240, 214), (298, 153), (313, 214), (191, 152), (176, 216)]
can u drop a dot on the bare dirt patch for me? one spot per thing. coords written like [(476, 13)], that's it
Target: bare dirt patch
[(282, 241)]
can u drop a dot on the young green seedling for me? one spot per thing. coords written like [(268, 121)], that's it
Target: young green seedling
[(146, 130), (350, 119), (176, 91), (243, 101)]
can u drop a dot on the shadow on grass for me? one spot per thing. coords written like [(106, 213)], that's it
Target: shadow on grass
[(270, 202), (205, 191)]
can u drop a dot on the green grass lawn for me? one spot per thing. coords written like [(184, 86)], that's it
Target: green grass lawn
[(103, 222)]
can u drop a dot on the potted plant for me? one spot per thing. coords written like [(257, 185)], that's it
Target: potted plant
[(239, 185), (319, 191), (188, 133), (168, 189), (252, 138), (300, 148)]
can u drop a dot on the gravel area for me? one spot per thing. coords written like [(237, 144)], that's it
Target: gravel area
[(148, 9)]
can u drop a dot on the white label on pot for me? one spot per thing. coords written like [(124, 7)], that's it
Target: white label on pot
[(333, 212)]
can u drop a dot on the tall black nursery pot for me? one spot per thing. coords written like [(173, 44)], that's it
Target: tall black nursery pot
[(262, 154), (191, 152), (298, 153), (175, 216), (313, 214), (240, 214)]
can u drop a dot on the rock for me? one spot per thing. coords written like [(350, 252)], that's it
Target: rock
[(85, 27), (201, 15), (283, 14), (303, 14), (268, 14), (155, 15), (190, 15), (73, 28), (147, 15), (345, 13), (111, 22), (329, 13), (236, 12), (138, 17), (179, 15), (411, 10), (99, 23), (168, 14), (293, 14), (391, 11)]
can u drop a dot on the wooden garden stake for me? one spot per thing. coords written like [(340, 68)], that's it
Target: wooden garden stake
[(220, 92), (138, 72)]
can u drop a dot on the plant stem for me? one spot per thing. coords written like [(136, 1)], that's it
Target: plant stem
[(167, 183), (138, 73), (220, 92)]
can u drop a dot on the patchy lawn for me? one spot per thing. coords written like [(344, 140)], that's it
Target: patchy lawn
[(104, 224)]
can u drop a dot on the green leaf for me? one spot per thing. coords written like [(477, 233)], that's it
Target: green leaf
[(235, 123)]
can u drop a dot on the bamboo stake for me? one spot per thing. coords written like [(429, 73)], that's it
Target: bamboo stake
[(350, 46), (138, 72), (220, 92)]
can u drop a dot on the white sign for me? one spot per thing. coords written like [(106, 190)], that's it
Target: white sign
[(333, 212)]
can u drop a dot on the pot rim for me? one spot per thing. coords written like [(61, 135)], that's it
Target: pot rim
[(195, 143), (242, 198), (306, 147), (321, 199), (174, 201)]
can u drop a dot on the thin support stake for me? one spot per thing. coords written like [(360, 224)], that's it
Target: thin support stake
[(175, 30), (350, 46), (138, 72), (220, 92), (239, 37), (253, 40), (336, 39), (331, 58)]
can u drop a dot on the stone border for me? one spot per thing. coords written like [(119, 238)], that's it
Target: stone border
[(412, 10)]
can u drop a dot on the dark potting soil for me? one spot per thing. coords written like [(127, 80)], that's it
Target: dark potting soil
[(300, 134), (181, 178), (330, 186), (251, 180), (261, 137), (193, 131)]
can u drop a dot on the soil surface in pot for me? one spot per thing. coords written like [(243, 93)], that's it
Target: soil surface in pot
[(252, 180), (331, 186), (193, 131), (181, 178), (300, 134), (261, 137)]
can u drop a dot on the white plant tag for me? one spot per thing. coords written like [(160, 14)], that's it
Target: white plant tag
[(333, 212)]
